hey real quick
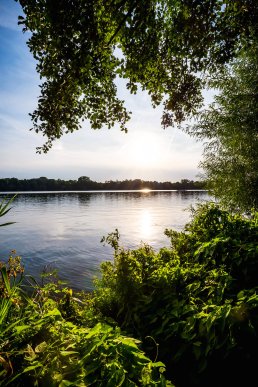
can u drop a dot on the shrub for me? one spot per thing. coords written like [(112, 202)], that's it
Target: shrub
[(51, 338), (197, 300)]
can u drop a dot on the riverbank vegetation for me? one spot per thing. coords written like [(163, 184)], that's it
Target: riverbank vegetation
[(84, 183), (51, 338), (187, 313)]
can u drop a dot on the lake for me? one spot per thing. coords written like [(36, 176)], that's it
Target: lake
[(63, 230)]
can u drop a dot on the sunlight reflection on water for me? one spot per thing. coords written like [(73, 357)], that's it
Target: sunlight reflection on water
[(66, 228), (145, 224)]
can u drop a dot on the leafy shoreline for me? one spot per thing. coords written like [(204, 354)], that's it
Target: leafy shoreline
[(152, 316)]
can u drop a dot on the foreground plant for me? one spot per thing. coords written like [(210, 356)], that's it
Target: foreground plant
[(51, 338), (197, 300), (5, 208)]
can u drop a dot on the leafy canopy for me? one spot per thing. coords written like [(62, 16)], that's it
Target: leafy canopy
[(165, 47)]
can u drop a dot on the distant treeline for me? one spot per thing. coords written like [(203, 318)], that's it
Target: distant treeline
[(85, 183)]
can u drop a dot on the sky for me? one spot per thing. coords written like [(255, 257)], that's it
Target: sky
[(146, 152)]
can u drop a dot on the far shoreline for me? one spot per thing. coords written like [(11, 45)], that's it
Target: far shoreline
[(144, 190)]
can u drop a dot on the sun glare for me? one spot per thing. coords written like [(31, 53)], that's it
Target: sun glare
[(145, 190), (145, 224), (143, 151)]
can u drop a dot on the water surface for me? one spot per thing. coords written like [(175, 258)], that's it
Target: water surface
[(64, 229)]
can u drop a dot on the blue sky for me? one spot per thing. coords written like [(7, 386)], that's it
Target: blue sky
[(146, 151)]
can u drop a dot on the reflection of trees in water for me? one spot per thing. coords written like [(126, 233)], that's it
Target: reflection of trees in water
[(84, 198), (186, 195), (129, 195), (49, 197)]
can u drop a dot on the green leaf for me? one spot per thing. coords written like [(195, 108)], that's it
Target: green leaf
[(5, 279), (99, 329), (53, 312), (67, 353), (6, 224), (65, 383), (41, 347), (32, 367), (4, 207), (20, 328)]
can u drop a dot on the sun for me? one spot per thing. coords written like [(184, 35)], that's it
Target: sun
[(143, 150)]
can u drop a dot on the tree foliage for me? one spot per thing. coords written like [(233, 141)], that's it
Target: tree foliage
[(230, 125), (163, 46), (86, 184)]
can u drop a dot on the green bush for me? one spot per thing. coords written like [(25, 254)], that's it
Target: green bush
[(51, 338), (196, 302)]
